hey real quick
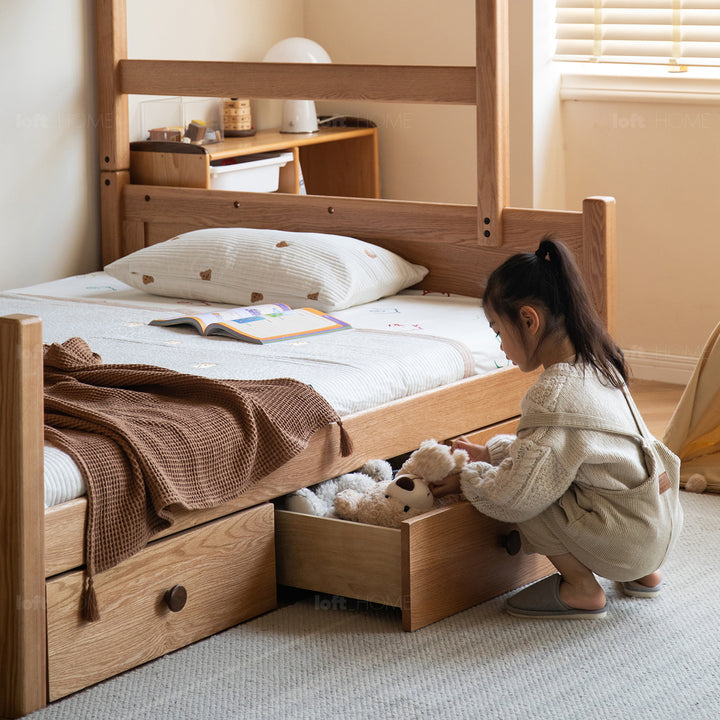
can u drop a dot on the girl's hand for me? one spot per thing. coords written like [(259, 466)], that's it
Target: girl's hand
[(449, 485), (475, 452)]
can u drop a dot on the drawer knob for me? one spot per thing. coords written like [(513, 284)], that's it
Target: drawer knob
[(175, 598), (512, 542)]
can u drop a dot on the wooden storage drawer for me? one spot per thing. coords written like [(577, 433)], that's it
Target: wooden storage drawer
[(436, 564), (227, 568)]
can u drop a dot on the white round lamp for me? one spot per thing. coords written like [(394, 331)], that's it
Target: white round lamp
[(298, 116)]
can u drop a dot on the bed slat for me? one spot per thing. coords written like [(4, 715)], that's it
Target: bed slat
[(391, 223), (377, 83)]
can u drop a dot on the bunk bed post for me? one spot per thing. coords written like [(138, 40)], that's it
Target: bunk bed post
[(492, 77), (113, 123), (23, 649), (599, 255)]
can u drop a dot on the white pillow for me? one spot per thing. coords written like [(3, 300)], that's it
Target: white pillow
[(243, 266)]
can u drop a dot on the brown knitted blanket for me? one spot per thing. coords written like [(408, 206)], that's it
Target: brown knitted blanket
[(148, 440)]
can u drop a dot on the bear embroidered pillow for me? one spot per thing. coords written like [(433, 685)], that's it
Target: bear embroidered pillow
[(244, 266)]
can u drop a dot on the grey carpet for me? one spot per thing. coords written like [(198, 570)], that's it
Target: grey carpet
[(325, 657)]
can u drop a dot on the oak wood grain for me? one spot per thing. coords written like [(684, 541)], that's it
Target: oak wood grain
[(378, 83), (22, 595), (454, 558), (338, 557), (113, 122), (493, 113), (227, 568)]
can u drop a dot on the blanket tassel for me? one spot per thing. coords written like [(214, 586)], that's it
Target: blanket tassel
[(346, 444), (90, 609)]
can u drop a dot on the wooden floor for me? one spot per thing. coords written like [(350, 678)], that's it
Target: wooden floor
[(657, 402)]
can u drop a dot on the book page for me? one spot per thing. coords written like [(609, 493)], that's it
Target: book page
[(267, 328), (202, 320), (241, 312)]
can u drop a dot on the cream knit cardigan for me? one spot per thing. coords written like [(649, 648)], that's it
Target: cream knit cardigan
[(529, 472)]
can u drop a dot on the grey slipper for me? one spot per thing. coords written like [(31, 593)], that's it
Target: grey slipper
[(542, 600), (635, 589)]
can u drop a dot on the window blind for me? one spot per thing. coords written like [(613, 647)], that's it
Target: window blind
[(675, 32)]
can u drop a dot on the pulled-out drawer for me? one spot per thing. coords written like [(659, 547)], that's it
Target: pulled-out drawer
[(436, 564), (226, 570)]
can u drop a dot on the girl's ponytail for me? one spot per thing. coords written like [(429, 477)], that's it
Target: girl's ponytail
[(549, 277)]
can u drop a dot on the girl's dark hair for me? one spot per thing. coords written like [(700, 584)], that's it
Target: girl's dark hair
[(550, 278)]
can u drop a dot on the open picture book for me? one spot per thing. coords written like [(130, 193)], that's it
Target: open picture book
[(260, 323)]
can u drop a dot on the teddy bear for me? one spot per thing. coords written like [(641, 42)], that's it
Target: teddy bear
[(389, 502), (319, 499)]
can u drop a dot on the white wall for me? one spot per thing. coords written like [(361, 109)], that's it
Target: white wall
[(660, 160), (537, 166), (654, 145), (49, 199), (548, 169), (427, 153)]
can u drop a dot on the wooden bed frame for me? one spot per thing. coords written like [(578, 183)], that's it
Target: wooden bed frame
[(460, 244)]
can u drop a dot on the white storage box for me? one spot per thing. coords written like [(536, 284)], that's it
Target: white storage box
[(251, 173)]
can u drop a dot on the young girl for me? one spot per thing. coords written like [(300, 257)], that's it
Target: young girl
[(583, 479)]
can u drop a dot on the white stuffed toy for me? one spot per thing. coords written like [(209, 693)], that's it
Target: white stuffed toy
[(389, 502), (319, 499)]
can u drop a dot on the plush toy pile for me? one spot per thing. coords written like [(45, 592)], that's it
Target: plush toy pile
[(372, 496)]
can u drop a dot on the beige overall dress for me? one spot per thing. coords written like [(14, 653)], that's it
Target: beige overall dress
[(619, 534)]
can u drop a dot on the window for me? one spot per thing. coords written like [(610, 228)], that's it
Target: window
[(658, 32)]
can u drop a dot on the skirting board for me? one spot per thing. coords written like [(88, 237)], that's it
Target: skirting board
[(661, 367)]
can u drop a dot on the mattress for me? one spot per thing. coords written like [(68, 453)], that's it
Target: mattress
[(399, 346)]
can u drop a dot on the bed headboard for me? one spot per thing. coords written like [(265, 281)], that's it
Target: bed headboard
[(460, 244)]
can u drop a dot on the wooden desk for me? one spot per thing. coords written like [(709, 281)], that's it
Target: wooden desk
[(334, 161)]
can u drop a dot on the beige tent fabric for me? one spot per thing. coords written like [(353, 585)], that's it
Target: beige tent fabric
[(694, 429)]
